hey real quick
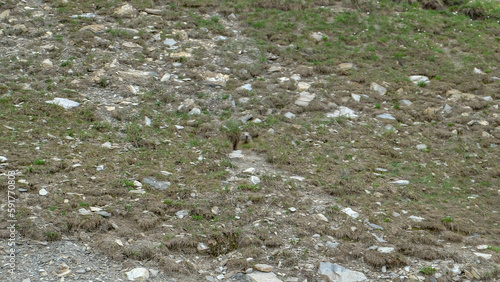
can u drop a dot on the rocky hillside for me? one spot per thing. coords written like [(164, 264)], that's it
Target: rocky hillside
[(250, 140)]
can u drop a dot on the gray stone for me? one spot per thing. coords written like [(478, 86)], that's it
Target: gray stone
[(332, 245), (138, 274), (334, 272), (385, 250), (157, 12), (247, 86), (104, 213), (416, 218), (342, 112), (264, 267), (406, 102), (86, 15), (289, 115), (202, 247), (378, 88), (255, 180), (232, 17), (84, 211), (318, 36), (350, 212), (386, 116), (3, 159), (169, 42), (181, 214), (263, 277), (47, 64), (400, 182), (421, 147), (160, 185)]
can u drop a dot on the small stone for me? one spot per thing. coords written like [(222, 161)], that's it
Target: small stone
[(292, 209), (406, 102), (202, 247), (386, 116), (138, 274), (332, 245), (264, 267), (181, 214), (303, 86), (165, 77), (401, 182), (342, 112), (84, 211), (334, 272), (3, 159), (255, 180), (350, 212), (321, 217), (478, 71), (47, 64), (385, 250), (232, 17), (289, 115), (247, 86), (131, 45), (160, 185), (356, 97), (378, 88), (153, 272), (238, 154), (4, 15), (482, 247), (304, 99), (416, 218), (263, 277), (318, 36), (475, 273), (421, 147), (94, 28), (195, 112), (274, 69), (482, 255), (169, 42), (100, 167), (64, 273), (63, 102), (119, 242), (43, 192), (104, 214), (215, 210), (345, 66), (125, 11), (416, 79)]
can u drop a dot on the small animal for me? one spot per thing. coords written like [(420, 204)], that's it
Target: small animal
[(243, 138)]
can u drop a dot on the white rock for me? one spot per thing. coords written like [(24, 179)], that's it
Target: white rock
[(100, 167), (406, 102), (350, 212), (296, 77), (299, 178), (304, 99), (303, 86), (386, 116), (3, 159), (416, 79), (385, 250), (249, 170), (337, 273), (131, 45), (321, 217), (447, 109), (255, 180), (236, 154), (63, 102), (356, 97), (202, 247), (195, 111), (138, 274), (401, 182), (289, 115), (274, 69), (416, 218), (482, 255), (107, 145), (179, 127), (147, 121), (482, 247), (47, 64), (119, 242), (84, 211), (378, 88), (165, 77), (478, 71), (421, 147), (43, 192), (292, 209), (342, 112), (247, 86), (181, 214), (317, 36)]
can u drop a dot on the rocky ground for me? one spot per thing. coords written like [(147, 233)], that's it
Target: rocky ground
[(250, 140)]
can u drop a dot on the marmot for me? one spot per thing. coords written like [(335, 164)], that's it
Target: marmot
[(243, 138)]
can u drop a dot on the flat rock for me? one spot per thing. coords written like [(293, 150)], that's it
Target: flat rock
[(455, 95), (303, 86), (137, 74), (217, 79), (247, 86), (385, 250), (131, 45), (160, 185), (334, 272), (289, 115), (482, 255), (386, 116), (416, 79), (318, 36), (350, 212), (304, 99), (169, 42), (3, 159), (421, 147), (345, 66), (138, 274), (125, 11), (238, 154), (63, 102), (400, 182), (416, 218), (342, 112), (4, 15), (264, 267), (153, 11), (181, 214), (378, 88), (47, 64), (321, 217), (263, 277)]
